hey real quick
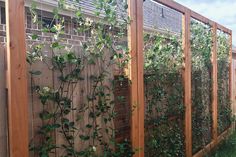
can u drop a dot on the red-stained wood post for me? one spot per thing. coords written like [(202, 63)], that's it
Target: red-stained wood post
[(187, 82), (215, 84), (17, 79), (135, 38), (230, 67)]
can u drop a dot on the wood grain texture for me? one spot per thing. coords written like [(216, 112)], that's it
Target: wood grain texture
[(135, 38), (187, 83), (230, 68), (35, 105), (17, 79), (215, 83), (140, 64), (234, 86)]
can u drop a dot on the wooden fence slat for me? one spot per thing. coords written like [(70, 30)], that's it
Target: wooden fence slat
[(140, 64), (3, 105), (135, 38), (187, 83), (230, 67), (17, 79), (215, 83)]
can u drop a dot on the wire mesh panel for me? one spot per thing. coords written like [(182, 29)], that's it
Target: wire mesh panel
[(201, 44), (164, 109), (224, 104)]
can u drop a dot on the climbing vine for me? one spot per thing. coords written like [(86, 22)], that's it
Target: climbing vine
[(163, 96), (224, 104), (86, 127), (201, 43), (83, 128)]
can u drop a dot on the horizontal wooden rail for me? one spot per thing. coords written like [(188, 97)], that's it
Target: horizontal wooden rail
[(213, 144), (173, 5), (201, 18), (224, 29)]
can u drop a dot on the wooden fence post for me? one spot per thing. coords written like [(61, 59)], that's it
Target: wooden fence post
[(17, 79), (135, 38), (215, 85), (187, 83), (230, 68)]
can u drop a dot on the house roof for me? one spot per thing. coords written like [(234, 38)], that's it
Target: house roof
[(156, 16)]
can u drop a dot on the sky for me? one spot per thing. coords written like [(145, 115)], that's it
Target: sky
[(221, 11)]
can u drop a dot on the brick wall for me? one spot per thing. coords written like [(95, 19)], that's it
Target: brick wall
[(72, 38), (155, 16), (161, 18)]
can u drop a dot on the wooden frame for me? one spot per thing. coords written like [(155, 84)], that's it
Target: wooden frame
[(17, 79), (135, 38), (187, 82), (215, 84), (187, 14), (230, 66), (17, 76)]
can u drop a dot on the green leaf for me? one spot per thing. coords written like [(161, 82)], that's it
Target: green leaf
[(35, 72), (84, 138), (34, 36)]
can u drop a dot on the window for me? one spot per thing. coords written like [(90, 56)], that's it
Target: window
[(29, 20), (3, 15), (48, 22)]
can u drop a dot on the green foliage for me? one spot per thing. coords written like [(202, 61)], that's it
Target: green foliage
[(164, 96), (226, 149), (201, 43), (104, 50), (224, 104)]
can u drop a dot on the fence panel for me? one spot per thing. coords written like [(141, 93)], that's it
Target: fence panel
[(176, 81), (163, 81), (224, 102), (202, 84)]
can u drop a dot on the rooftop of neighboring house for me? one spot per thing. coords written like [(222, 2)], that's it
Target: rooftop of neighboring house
[(156, 16), (162, 18)]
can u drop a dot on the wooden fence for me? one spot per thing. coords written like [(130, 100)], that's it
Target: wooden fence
[(187, 15), (17, 89)]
